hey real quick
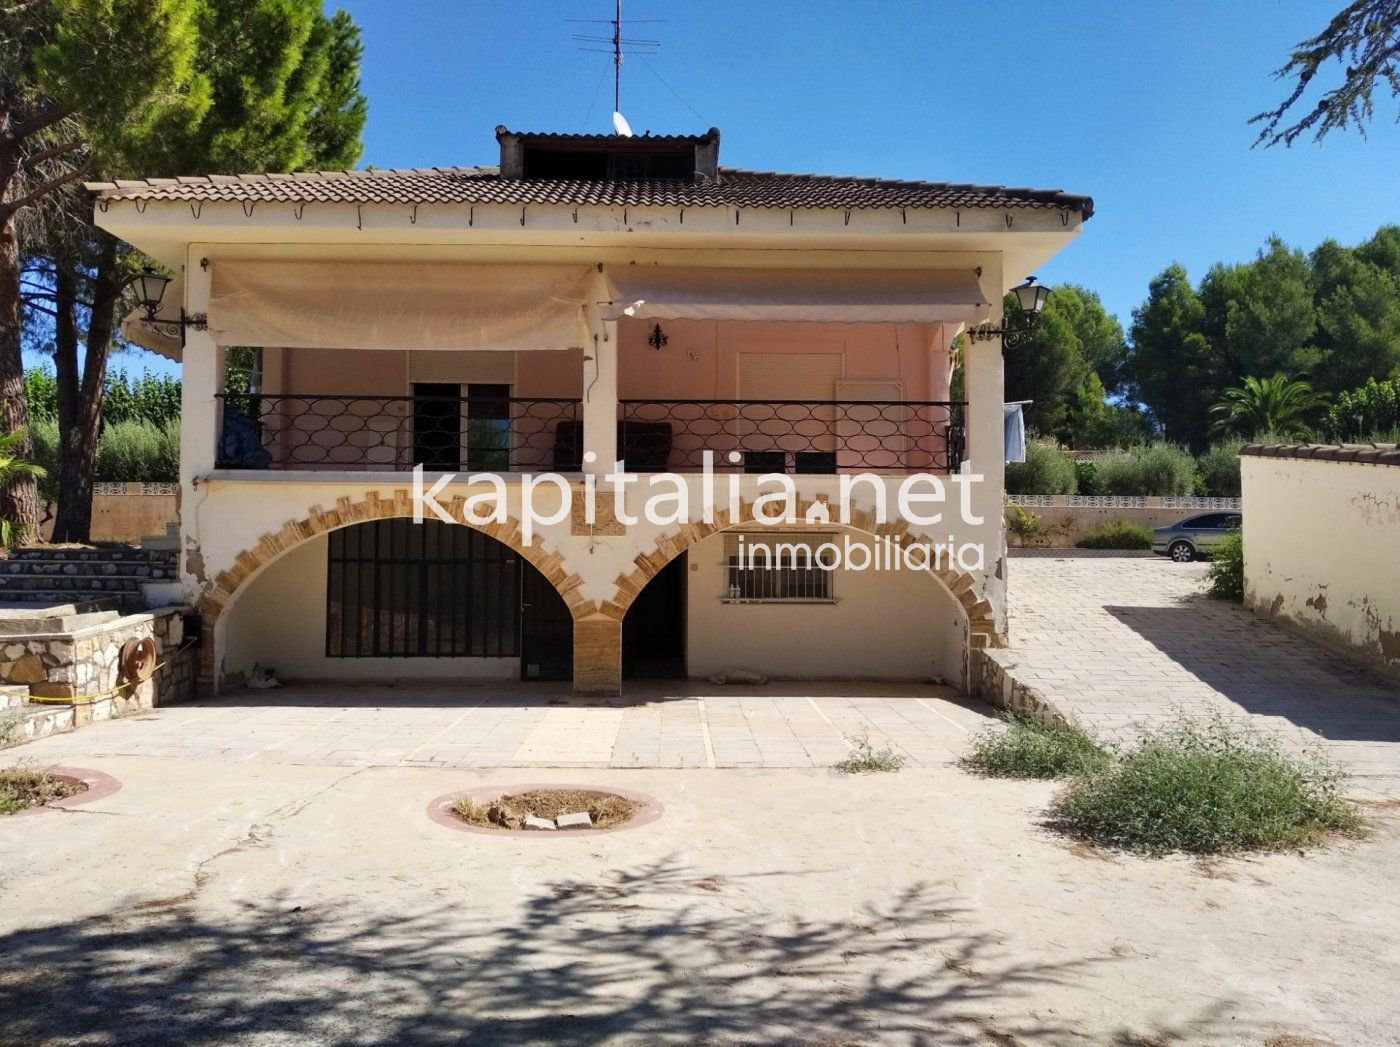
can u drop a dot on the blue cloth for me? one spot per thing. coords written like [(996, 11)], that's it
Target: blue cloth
[(1015, 424)]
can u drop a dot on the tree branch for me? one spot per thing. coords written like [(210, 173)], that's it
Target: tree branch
[(50, 153), (44, 190)]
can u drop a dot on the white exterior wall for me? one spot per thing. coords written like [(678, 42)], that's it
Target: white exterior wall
[(281, 624), (884, 625), (1322, 550), (224, 517)]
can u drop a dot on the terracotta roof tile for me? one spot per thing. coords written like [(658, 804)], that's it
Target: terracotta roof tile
[(1370, 454), (483, 185)]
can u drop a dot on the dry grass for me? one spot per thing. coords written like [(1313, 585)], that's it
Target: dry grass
[(25, 787), (509, 811)]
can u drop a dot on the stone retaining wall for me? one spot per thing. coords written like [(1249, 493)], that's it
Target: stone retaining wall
[(991, 675), (84, 665)]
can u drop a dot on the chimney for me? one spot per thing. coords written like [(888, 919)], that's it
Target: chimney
[(609, 158)]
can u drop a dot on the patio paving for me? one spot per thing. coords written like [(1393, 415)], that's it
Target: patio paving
[(1123, 641), (538, 725)]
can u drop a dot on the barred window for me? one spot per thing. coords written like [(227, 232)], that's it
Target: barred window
[(396, 589), (772, 568)]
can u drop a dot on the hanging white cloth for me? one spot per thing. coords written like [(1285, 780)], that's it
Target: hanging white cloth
[(1014, 422)]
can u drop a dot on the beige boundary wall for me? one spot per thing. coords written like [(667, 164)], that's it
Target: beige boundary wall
[(126, 512), (1067, 518), (1322, 544)]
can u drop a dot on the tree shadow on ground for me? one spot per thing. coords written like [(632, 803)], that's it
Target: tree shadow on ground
[(653, 956), (1269, 671)]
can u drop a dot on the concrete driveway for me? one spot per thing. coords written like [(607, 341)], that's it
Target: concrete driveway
[(540, 725), (218, 901), (1123, 641)]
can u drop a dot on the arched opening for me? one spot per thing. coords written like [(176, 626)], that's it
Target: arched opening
[(392, 599), (795, 623)]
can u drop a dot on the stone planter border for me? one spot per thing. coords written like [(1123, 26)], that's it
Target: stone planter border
[(440, 810)]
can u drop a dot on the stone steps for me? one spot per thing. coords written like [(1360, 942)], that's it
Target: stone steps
[(34, 721), (80, 573)]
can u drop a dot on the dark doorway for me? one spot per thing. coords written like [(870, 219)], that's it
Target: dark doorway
[(653, 633), (546, 629), (437, 425)]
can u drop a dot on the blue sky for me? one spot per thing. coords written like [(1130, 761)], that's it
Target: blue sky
[(1141, 105)]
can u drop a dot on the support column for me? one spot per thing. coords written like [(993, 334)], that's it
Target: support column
[(201, 376), (600, 384), (984, 379), (597, 656)]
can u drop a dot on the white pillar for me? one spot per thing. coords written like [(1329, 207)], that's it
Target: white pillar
[(200, 379), (984, 383), (600, 385)]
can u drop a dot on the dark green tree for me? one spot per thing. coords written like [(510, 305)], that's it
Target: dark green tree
[(1074, 338), (283, 95), (61, 60), (1171, 370), (1259, 316)]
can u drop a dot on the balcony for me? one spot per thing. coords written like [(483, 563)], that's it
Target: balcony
[(518, 434), (792, 436), (393, 433)]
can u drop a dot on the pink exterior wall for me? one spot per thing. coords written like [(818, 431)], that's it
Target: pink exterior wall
[(701, 361), (914, 354)]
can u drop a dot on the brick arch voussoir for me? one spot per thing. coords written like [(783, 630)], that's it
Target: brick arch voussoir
[(628, 585)]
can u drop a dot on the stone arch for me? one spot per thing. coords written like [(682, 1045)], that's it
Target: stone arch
[(982, 631), (229, 583)]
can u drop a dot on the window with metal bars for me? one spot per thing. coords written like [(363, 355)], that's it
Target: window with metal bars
[(778, 570), (396, 589)]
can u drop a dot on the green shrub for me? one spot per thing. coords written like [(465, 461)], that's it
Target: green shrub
[(1220, 469), (139, 451), (1021, 523), (1086, 478), (866, 759), (1117, 534), (43, 434), (1208, 786), (1226, 571), (1046, 470), (1364, 413), (1027, 748), (1154, 469)]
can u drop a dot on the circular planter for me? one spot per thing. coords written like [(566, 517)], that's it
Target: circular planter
[(440, 810), (99, 786)]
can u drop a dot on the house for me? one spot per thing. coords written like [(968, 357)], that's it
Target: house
[(591, 299)]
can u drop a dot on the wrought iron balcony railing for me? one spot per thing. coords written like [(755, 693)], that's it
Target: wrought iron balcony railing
[(445, 433), (519, 434), (792, 436)]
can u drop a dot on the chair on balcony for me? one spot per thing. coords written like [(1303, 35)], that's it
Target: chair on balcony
[(645, 447)]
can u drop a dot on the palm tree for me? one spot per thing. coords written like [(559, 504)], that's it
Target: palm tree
[(11, 467), (1279, 406)]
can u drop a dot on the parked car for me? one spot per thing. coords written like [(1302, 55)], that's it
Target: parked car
[(1195, 537)]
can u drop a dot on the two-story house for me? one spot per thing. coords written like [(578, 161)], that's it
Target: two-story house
[(589, 300)]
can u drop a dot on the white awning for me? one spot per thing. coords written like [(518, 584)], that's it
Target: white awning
[(814, 295), (398, 305)]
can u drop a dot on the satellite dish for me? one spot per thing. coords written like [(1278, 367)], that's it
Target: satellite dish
[(621, 126)]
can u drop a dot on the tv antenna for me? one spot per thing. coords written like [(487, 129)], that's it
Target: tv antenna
[(619, 46)]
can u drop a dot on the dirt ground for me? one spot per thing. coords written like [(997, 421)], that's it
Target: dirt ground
[(216, 902)]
